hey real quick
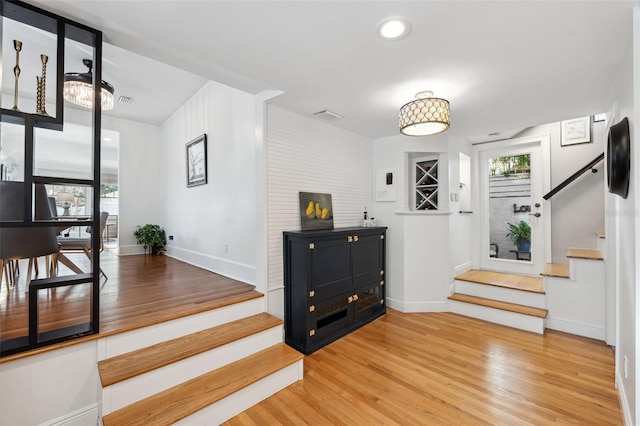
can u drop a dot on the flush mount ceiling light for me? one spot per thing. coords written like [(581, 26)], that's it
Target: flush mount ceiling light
[(394, 28), (425, 116), (78, 88)]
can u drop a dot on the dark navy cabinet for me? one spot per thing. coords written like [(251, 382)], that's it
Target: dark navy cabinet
[(334, 283)]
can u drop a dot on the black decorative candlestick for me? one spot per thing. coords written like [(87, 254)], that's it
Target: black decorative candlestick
[(17, 45)]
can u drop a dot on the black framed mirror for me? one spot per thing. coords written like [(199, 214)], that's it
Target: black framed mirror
[(619, 158)]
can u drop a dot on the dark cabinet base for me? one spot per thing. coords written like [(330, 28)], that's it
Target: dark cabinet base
[(334, 284)]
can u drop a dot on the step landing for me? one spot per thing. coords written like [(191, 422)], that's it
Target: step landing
[(501, 279), (558, 270)]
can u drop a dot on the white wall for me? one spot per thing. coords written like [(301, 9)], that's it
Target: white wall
[(305, 154), (622, 224), (63, 384), (214, 225), (582, 199), (139, 171), (419, 268)]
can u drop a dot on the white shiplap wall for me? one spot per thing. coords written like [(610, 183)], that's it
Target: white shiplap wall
[(308, 155)]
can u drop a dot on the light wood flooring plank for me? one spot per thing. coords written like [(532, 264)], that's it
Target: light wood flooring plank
[(501, 279), (584, 253), (443, 368), (559, 270), (187, 398), (498, 304), (126, 366)]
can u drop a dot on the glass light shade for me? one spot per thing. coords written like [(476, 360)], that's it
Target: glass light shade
[(424, 117), (81, 93)]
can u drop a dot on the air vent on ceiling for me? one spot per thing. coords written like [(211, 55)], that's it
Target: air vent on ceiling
[(325, 114), (125, 99)]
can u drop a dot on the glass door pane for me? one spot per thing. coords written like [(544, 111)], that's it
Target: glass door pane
[(510, 207)]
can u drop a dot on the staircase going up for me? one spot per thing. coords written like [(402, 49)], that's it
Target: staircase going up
[(569, 297), (576, 293), (207, 369), (508, 299)]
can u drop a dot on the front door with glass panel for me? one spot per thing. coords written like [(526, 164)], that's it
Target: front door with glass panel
[(512, 237)]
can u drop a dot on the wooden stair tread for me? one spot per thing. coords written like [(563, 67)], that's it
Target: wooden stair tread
[(584, 253), (497, 304), (126, 366), (560, 270), (178, 402), (500, 279), (600, 235)]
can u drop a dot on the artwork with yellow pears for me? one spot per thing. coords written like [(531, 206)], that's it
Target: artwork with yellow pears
[(316, 211)]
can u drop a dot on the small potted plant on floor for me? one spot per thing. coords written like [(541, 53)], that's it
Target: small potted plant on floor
[(152, 237), (520, 234)]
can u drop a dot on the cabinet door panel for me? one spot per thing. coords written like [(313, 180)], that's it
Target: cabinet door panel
[(370, 301), (330, 316), (331, 267), (367, 258)]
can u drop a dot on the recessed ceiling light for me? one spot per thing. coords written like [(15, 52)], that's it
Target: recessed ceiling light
[(394, 28)]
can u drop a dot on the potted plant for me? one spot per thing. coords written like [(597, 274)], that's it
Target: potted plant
[(151, 236), (520, 234)]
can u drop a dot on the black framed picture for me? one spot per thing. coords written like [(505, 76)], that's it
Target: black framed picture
[(197, 161)]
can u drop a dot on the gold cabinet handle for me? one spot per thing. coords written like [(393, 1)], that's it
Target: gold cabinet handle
[(312, 293), (355, 238), (312, 308), (349, 239), (350, 299), (312, 333), (355, 297), (382, 282)]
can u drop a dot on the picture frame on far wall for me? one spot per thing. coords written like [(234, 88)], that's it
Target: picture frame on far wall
[(576, 131), (196, 156)]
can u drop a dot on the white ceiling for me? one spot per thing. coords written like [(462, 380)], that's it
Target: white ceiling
[(502, 64)]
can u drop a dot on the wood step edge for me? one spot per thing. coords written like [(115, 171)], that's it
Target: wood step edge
[(498, 304), (557, 270), (472, 277), (584, 253), (180, 401), (122, 367), (601, 235)]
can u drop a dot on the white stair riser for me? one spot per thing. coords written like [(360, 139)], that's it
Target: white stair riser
[(137, 388), (519, 297), (498, 316), (147, 336), (579, 307), (245, 398)]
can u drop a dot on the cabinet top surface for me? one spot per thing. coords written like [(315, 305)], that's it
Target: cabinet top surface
[(336, 231)]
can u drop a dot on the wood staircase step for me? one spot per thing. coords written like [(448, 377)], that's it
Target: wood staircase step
[(559, 270), (500, 279), (180, 401), (496, 304), (584, 253), (126, 366), (600, 234)]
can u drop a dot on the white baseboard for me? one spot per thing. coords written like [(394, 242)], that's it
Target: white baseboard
[(408, 307), (86, 416), (129, 250), (228, 268), (622, 396), (462, 268), (576, 328)]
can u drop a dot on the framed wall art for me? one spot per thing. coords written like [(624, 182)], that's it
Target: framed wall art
[(316, 211), (576, 131), (197, 161)]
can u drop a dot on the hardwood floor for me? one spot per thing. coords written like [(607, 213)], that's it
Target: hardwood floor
[(442, 368), (140, 290)]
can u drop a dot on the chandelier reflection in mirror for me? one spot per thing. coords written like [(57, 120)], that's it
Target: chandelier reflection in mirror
[(78, 88)]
